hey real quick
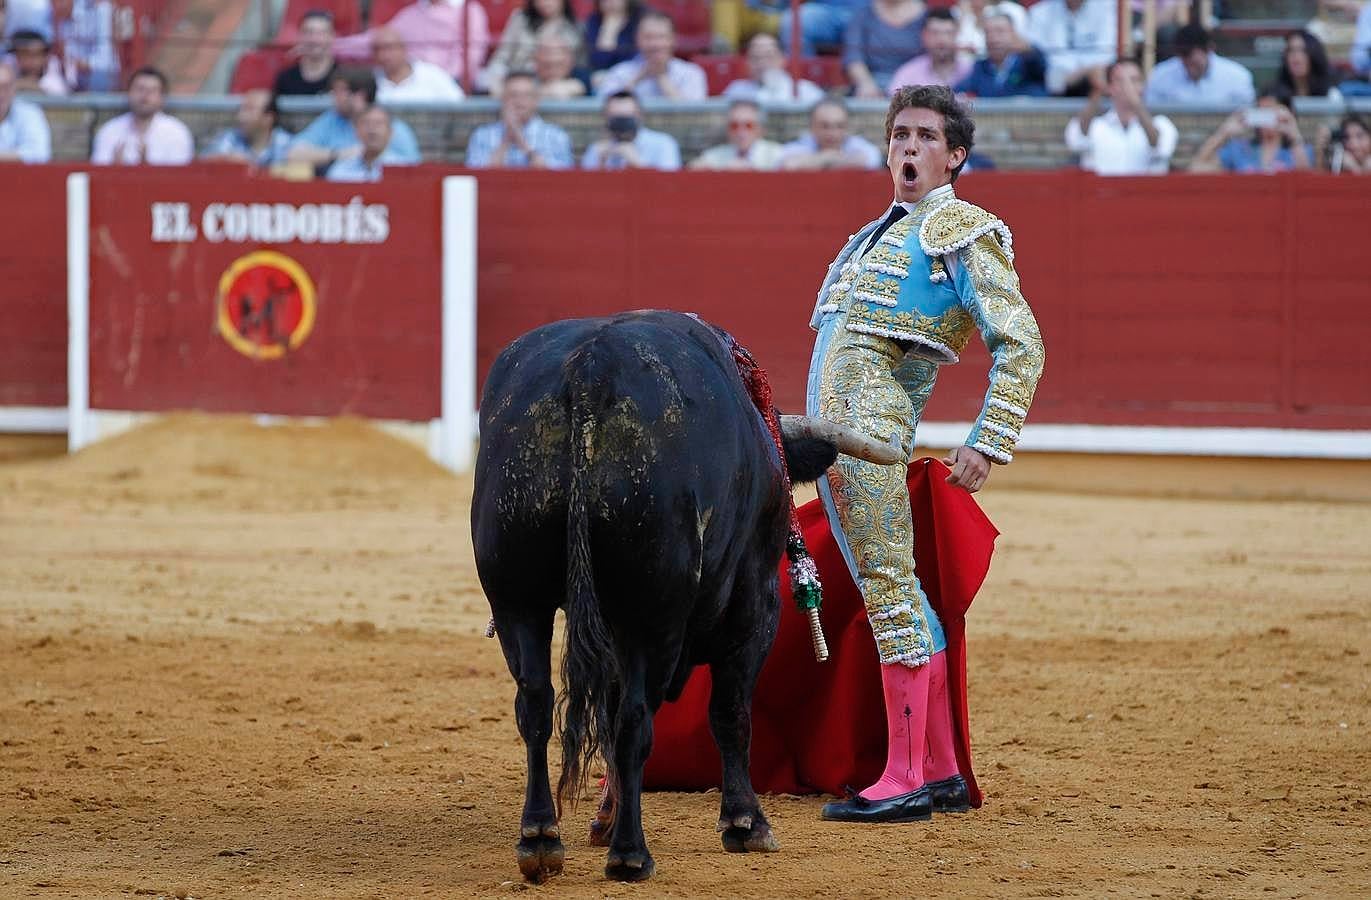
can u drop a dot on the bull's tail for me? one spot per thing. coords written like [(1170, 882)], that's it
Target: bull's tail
[(588, 660)]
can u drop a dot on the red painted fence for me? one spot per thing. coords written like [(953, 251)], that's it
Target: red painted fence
[(1185, 301)]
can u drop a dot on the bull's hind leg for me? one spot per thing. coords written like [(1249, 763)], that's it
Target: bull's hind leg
[(528, 650), (743, 825), (628, 858)]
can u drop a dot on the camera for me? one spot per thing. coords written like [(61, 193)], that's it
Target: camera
[(1259, 117)]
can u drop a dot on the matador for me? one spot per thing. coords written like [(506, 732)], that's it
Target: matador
[(903, 298)]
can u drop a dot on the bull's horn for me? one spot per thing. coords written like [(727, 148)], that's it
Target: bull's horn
[(848, 441)]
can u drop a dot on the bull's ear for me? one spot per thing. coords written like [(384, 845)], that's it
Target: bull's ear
[(808, 457)]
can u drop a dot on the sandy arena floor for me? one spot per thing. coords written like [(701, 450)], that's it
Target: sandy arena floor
[(247, 662)]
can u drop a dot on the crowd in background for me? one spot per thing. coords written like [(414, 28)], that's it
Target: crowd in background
[(624, 53)]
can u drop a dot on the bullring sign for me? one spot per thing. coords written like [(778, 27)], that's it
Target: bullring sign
[(354, 222)]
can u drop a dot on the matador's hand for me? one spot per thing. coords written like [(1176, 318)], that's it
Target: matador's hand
[(970, 469)]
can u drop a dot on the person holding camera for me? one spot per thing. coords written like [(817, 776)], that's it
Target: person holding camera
[(627, 144), (1258, 140), (1346, 151)]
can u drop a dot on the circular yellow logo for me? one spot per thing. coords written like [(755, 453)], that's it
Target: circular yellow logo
[(266, 305)]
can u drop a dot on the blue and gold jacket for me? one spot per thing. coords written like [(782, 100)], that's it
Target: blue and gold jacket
[(940, 272)]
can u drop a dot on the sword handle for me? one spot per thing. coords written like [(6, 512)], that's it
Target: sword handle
[(816, 635)]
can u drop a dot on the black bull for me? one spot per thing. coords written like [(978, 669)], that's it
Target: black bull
[(626, 476)]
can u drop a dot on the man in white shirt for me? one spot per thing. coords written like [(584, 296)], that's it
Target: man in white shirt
[(747, 149), (1127, 140), (24, 133), (1079, 38), (1197, 76), (768, 81), (144, 134), (402, 79), (656, 72)]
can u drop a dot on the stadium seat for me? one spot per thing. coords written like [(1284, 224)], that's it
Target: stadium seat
[(346, 17), (693, 29), (825, 71), (257, 69), (721, 71)]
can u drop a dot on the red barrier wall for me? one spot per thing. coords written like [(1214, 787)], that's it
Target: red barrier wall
[(1196, 301)]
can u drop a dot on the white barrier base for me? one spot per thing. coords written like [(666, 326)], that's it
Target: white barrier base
[(1261, 442)]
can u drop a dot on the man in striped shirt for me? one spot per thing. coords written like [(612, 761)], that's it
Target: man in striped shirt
[(520, 140)]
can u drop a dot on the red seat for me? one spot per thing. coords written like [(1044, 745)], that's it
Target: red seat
[(825, 71), (691, 18), (257, 69), (346, 17), (721, 71)]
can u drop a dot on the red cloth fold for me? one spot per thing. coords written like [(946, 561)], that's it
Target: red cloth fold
[(820, 727)]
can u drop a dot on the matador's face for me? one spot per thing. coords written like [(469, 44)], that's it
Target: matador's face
[(919, 159)]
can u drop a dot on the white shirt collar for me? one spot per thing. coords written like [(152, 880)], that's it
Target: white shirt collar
[(935, 195)]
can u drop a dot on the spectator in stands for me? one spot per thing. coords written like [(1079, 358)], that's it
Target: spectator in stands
[(402, 79), (258, 140), (746, 149), (25, 15), (611, 32), (1335, 24), (83, 35), (881, 37), (432, 29), (314, 71), (1006, 70), (520, 140), (1078, 38), (829, 144), (971, 16), (1305, 71), (655, 71), (1361, 55), (627, 144), (1262, 139), (333, 135), (144, 134), (374, 150), (1127, 140), (519, 39), (39, 71), (939, 63), (1348, 150), (554, 65), (768, 81), (823, 24), (24, 133), (1197, 75)]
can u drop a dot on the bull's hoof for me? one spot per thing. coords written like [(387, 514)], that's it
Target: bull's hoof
[(748, 835), (541, 855), (629, 867)]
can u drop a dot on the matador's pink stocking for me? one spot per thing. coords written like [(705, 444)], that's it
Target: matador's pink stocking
[(940, 754), (906, 709)]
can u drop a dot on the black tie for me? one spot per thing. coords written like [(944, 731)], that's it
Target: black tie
[(897, 213)]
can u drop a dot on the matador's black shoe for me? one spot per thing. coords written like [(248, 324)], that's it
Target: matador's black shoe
[(916, 806), (950, 795)]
